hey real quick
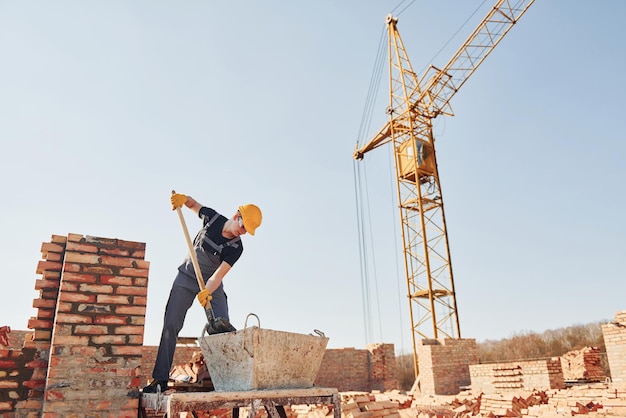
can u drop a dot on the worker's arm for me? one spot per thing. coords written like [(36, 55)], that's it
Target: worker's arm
[(194, 205), (216, 279), (178, 200), (204, 296)]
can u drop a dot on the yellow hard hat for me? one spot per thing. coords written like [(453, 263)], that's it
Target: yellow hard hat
[(252, 217)]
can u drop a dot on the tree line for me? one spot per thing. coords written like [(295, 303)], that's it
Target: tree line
[(524, 346)]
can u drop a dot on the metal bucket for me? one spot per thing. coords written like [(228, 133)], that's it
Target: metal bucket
[(256, 359)]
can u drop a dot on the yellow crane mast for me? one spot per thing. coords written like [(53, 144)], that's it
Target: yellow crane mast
[(414, 103)]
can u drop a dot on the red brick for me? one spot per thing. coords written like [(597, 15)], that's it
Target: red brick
[(110, 319), (79, 277), (69, 287), (82, 258), (91, 329), (118, 261), (35, 323), (122, 252), (129, 330), (128, 290), (81, 247), (134, 272), (76, 297), (97, 270), (137, 300), (58, 239), (74, 237), (70, 340), (130, 310), (48, 265), (49, 247), (44, 303), (122, 300), (51, 275), (96, 288), (125, 350), (121, 280), (109, 339), (53, 256), (63, 318), (132, 245), (46, 284), (7, 364)]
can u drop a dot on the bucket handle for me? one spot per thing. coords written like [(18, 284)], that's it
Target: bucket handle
[(245, 326), (319, 333)]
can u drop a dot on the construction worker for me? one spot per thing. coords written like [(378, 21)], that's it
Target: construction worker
[(217, 247)]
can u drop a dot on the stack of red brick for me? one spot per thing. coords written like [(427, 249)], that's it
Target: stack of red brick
[(585, 364)]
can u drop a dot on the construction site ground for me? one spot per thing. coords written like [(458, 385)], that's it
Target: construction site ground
[(191, 389), (597, 399)]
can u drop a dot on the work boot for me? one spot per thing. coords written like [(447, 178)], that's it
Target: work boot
[(156, 386)]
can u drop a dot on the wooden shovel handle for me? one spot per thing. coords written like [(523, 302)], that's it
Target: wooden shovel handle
[(192, 252)]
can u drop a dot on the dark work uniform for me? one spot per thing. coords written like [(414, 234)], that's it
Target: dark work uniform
[(211, 249)]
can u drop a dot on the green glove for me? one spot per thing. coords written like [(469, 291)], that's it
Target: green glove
[(204, 297), (178, 200)]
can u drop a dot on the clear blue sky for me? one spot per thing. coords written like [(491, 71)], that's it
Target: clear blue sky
[(105, 107)]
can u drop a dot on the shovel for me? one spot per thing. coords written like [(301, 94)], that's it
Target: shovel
[(214, 325)]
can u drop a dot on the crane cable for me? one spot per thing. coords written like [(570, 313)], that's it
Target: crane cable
[(363, 214), (360, 185)]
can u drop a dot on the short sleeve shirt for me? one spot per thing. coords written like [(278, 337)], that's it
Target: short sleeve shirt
[(211, 246)]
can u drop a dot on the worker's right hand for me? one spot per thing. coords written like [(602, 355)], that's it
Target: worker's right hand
[(178, 200), (204, 297)]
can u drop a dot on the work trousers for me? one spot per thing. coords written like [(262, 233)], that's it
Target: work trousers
[(183, 293)]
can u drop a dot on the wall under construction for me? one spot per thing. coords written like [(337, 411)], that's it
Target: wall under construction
[(85, 353), (346, 369), (444, 364), (615, 341), (349, 369), (522, 375)]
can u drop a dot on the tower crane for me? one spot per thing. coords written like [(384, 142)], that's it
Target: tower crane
[(413, 104)]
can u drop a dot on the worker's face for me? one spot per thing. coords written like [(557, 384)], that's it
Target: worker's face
[(240, 229)]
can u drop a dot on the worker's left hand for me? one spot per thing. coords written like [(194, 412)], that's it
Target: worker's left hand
[(178, 200), (204, 297)]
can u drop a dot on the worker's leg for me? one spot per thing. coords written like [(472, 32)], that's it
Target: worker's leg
[(181, 298)]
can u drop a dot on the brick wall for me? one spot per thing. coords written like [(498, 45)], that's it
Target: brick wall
[(15, 375), (584, 364), (346, 369), (85, 350), (349, 369), (28, 382), (516, 376), (444, 364), (615, 341), (382, 371), (182, 355), (17, 339), (98, 328)]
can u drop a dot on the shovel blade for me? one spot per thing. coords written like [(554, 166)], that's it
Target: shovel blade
[(218, 325)]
